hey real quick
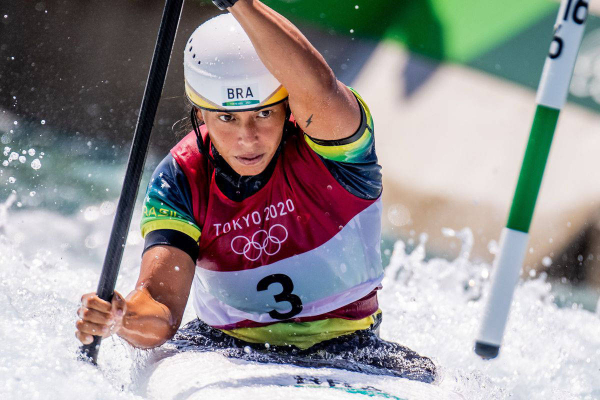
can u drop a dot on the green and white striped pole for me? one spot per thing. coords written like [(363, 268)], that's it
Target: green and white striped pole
[(551, 96)]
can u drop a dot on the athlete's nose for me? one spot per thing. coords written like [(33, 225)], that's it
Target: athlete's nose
[(248, 133)]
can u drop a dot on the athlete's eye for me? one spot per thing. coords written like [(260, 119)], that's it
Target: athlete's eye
[(226, 117), (265, 113)]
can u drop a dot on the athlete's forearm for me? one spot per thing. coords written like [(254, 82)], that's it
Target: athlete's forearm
[(146, 323), (285, 51)]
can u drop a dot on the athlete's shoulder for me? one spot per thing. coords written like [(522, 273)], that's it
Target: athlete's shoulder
[(358, 148), (186, 147), (351, 161), (168, 216), (191, 160)]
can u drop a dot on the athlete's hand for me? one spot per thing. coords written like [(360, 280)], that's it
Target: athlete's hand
[(98, 317), (224, 4)]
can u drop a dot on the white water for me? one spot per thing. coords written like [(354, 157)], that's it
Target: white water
[(47, 261)]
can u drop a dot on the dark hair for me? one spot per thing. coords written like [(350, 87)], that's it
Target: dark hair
[(184, 125)]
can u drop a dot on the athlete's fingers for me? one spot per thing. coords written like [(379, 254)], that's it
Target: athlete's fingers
[(83, 338), (91, 315), (118, 305), (91, 300), (91, 328)]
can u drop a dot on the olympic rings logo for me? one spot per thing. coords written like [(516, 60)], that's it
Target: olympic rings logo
[(262, 241)]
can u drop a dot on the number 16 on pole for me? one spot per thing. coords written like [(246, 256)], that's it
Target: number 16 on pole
[(551, 96)]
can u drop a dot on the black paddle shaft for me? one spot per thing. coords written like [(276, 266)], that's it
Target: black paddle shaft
[(137, 157)]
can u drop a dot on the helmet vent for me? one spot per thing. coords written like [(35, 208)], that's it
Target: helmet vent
[(194, 56), (191, 47), (199, 62), (191, 40)]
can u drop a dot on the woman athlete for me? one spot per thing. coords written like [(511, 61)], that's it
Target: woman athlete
[(269, 211)]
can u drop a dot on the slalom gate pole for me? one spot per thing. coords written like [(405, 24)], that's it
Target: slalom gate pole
[(135, 165), (551, 96)]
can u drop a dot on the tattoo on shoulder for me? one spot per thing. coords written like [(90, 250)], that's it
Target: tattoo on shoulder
[(309, 120)]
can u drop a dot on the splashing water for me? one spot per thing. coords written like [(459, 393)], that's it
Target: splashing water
[(433, 307), (4, 211), (36, 164)]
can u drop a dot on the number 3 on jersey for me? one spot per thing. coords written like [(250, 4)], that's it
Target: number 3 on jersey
[(286, 295)]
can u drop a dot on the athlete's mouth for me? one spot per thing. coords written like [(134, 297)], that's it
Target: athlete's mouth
[(250, 159)]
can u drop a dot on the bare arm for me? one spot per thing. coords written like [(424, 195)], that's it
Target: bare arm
[(324, 107), (156, 306), (152, 313)]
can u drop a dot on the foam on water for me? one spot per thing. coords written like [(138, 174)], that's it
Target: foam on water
[(433, 307)]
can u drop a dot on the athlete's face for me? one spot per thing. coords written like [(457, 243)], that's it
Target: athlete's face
[(246, 140)]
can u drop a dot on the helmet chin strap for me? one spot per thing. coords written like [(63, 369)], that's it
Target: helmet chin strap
[(205, 150), (219, 164), (201, 145)]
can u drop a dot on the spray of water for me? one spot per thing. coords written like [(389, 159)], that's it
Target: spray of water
[(431, 306)]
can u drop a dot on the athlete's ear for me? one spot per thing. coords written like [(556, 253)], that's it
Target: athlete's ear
[(199, 115)]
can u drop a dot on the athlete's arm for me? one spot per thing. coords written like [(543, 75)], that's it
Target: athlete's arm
[(324, 107), (152, 313)]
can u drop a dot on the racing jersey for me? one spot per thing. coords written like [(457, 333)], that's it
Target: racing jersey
[(290, 256)]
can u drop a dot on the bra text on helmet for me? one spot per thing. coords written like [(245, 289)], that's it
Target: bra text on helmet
[(240, 95)]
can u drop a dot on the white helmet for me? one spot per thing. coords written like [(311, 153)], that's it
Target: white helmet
[(223, 72)]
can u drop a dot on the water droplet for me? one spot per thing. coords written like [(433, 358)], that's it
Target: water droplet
[(351, 30), (399, 215), (22, 159), (247, 350), (493, 247), (43, 122), (12, 179), (5, 163), (36, 164), (91, 213), (546, 261), (13, 156), (532, 273), (107, 208), (176, 268), (329, 187), (356, 7), (32, 193), (31, 152)]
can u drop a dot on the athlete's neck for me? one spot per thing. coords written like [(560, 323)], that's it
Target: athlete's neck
[(235, 186)]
